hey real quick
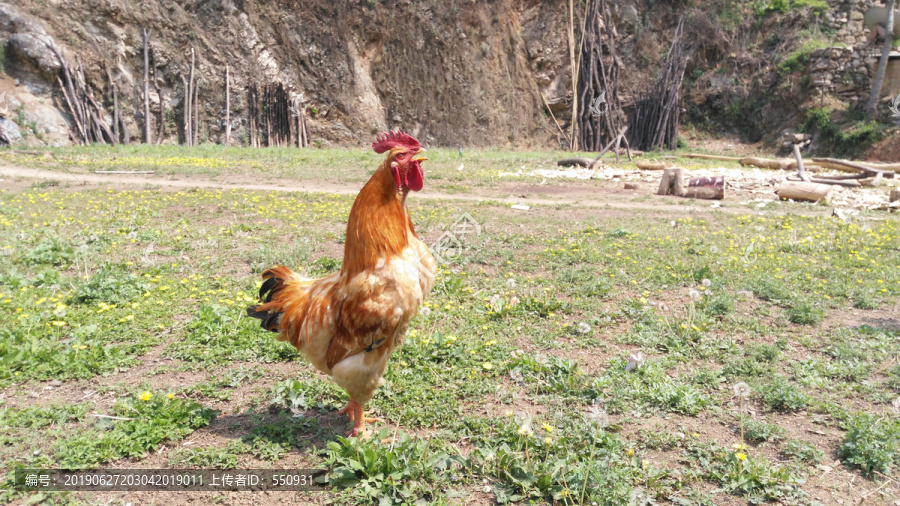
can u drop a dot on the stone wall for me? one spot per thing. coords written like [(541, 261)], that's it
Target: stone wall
[(846, 69)]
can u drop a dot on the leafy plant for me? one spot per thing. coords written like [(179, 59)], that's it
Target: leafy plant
[(149, 419), (780, 395), (407, 470), (803, 451), (761, 432), (805, 313), (872, 443), (112, 284), (51, 250)]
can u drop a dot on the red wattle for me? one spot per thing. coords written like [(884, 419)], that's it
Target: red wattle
[(415, 178)]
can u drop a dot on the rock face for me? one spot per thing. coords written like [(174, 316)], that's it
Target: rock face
[(26, 42), (458, 73)]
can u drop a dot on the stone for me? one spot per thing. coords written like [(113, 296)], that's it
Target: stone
[(31, 49), (9, 132)]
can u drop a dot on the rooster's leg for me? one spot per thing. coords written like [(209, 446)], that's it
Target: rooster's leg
[(355, 411)]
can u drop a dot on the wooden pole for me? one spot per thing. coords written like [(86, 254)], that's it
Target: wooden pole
[(574, 140), (227, 105), (195, 123), (146, 86), (188, 94), (161, 134)]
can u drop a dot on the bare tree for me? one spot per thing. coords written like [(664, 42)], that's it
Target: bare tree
[(882, 63)]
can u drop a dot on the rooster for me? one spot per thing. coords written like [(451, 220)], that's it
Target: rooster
[(347, 324)]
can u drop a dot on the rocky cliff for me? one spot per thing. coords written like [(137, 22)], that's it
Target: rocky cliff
[(453, 72)]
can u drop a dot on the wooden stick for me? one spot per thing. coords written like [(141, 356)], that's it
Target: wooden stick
[(713, 157), (800, 169), (112, 417), (836, 182), (78, 125), (854, 165), (124, 172)]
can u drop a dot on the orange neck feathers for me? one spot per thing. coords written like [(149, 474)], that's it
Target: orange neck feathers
[(379, 225)]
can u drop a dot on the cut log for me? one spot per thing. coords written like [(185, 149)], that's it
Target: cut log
[(580, 161), (672, 182), (801, 190), (711, 188), (650, 165)]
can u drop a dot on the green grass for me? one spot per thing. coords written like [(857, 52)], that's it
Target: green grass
[(510, 383)]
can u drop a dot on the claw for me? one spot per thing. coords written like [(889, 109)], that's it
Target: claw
[(355, 411)]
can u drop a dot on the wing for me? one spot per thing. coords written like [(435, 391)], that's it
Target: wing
[(377, 305)]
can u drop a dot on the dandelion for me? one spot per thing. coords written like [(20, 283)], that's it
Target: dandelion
[(170, 396), (583, 328), (741, 456), (487, 365), (706, 282), (597, 414), (548, 427), (145, 396), (630, 452), (548, 440), (741, 389), (694, 294), (525, 428), (511, 283)]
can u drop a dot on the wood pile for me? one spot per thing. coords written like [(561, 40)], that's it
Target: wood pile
[(654, 125)]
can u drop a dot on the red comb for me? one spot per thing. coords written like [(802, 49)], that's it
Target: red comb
[(386, 141)]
